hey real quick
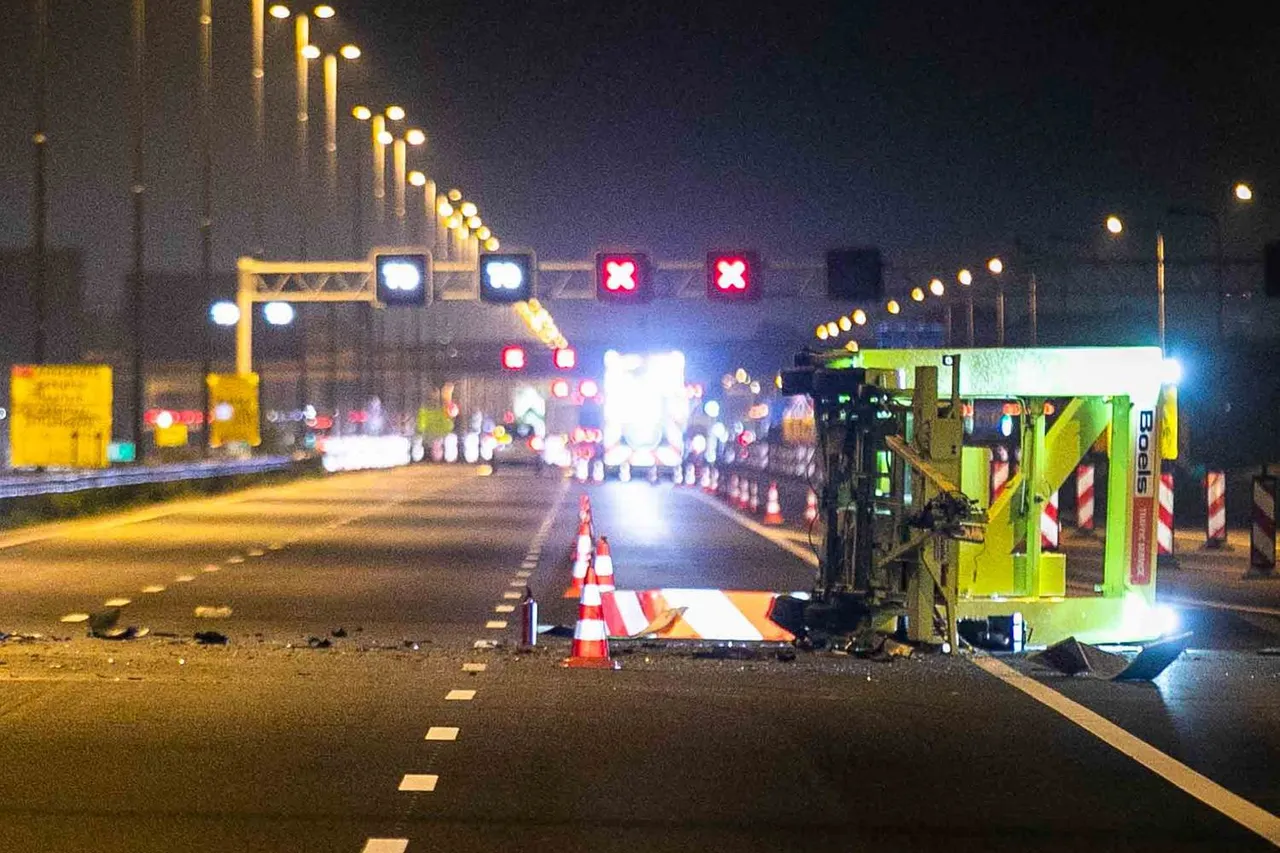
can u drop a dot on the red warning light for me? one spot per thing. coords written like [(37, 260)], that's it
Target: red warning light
[(560, 388), (588, 388), (565, 359), (513, 358), (622, 276), (731, 275)]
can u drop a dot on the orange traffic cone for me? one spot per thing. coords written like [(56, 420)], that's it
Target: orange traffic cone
[(603, 565), (581, 560), (772, 511), (590, 648), (744, 494), (811, 507), (732, 496), (753, 499)]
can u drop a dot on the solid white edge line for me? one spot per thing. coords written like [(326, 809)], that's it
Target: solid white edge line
[(1251, 817), (759, 529)]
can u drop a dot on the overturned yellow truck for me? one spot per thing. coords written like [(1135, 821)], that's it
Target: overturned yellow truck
[(913, 538)]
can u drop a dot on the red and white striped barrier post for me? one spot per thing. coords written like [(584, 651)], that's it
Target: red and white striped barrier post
[(1050, 525), (690, 475), (1215, 494), (732, 495), (999, 478), (753, 498), (1262, 536), (1084, 497), (1164, 519)]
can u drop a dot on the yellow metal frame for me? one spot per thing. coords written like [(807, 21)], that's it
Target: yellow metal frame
[(1120, 387)]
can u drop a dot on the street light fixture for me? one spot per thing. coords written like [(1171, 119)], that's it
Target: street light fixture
[(324, 11), (893, 307), (395, 113), (415, 137), (279, 11), (917, 294), (936, 287), (1114, 224), (1244, 192)]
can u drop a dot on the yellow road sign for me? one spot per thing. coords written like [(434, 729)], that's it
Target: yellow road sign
[(234, 400), (61, 415)]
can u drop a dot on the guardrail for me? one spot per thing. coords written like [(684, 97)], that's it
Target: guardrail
[(36, 484)]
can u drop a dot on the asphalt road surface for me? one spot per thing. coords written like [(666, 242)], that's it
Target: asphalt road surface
[(370, 697)]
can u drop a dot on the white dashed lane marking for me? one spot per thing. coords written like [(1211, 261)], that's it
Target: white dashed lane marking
[(529, 564), (419, 782), (184, 578), (523, 574), (474, 667), (256, 552), (517, 583), (442, 733), (504, 608), (511, 596), (386, 845), (236, 559), (75, 617), (116, 602), (212, 568), (153, 588), (496, 623), (457, 695)]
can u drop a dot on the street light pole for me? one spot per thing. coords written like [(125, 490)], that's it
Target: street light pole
[(1031, 308), (258, 12), (398, 160), (40, 205), (206, 210), (1160, 288), (379, 129), (302, 37), (138, 189)]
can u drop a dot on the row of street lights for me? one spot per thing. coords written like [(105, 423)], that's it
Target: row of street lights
[(859, 317), (1114, 225)]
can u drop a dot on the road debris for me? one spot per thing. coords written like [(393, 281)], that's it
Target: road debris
[(338, 632), (211, 638), (319, 642)]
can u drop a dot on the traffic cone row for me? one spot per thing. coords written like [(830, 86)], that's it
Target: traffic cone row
[(744, 494), (590, 649)]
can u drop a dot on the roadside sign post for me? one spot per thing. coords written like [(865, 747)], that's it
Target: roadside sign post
[(61, 415)]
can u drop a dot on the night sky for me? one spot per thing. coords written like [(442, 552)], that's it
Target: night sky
[(937, 131)]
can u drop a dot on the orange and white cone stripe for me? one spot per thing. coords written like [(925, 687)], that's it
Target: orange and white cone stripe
[(753, 501), (696, 614), (590, 649), (811, 507), (772, 510), (604, 565)]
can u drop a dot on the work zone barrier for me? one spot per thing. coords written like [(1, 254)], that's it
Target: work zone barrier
[(1085, 504), (1050, 525), (1262, 538), (693, 614), (1164, 518), (1215, 494)]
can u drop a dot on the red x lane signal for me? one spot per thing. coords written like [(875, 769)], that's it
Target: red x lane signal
[(622, 277), (732, 276)]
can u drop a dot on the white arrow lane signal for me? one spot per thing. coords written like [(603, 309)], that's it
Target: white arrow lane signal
[(621, 276), (732, 275), (401, 276), (504, 275)]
